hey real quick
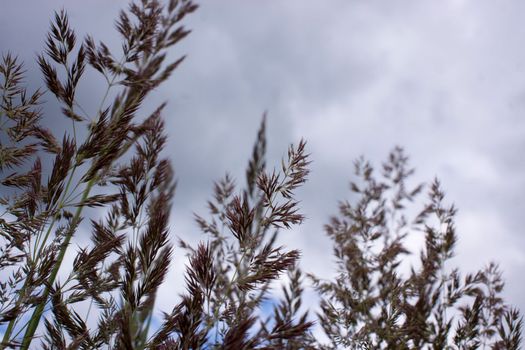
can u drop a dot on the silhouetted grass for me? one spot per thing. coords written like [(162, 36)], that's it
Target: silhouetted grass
[(117, 166)]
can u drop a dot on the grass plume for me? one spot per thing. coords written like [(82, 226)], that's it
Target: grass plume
[(113, 159)]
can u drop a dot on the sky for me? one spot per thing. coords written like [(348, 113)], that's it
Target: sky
[(443, 79)]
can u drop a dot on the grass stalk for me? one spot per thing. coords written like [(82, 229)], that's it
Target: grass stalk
[(37, 313)]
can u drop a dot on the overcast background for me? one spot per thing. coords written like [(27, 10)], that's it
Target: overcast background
[(444, 79)]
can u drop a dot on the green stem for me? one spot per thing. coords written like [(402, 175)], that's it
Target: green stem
[(37, 313), (35, 318), (11, 325), (37, 252)]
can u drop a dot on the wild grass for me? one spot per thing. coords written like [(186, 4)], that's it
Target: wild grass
[(113, 160)]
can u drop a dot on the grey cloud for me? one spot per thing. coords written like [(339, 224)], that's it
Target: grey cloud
[(444, 79)]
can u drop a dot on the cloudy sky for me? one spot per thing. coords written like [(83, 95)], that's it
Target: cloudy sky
[(444, 79)]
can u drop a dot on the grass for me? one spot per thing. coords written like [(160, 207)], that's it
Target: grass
[(113, 160)]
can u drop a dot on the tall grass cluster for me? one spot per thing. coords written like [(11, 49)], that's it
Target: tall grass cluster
[(112, 159)]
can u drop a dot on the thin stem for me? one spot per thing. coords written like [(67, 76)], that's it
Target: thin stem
[(37, 313), (25, 325), (55, 218), (12, 323)]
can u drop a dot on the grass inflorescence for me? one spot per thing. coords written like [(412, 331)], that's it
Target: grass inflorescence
[(112, 159)]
